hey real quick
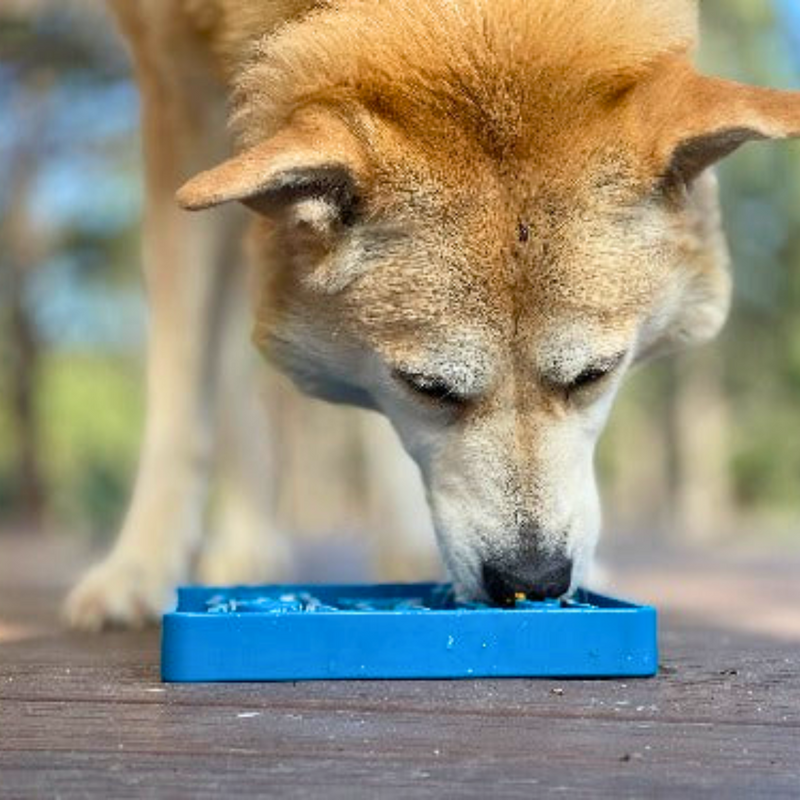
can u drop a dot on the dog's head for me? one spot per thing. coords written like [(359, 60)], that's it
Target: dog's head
[(483, 267)]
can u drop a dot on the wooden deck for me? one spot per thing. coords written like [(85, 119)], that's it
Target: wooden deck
[(86, 716)]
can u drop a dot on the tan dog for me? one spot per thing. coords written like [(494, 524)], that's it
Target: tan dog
[(471, 215)]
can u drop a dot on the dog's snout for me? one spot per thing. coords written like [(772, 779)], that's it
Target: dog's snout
[(549, 578)]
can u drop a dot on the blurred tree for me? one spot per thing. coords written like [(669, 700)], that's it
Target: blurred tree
[(704, 444), (63, 84), (22, 250)]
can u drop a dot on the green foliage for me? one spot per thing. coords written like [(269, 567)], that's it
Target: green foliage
[(91, 410)]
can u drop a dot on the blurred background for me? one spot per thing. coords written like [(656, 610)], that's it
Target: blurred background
[(703, 451)]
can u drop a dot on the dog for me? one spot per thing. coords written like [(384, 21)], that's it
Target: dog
[(472, 216)]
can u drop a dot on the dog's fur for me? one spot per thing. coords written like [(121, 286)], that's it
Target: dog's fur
[(471, 215)]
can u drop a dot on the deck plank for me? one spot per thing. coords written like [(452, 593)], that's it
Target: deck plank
[(86, 716)]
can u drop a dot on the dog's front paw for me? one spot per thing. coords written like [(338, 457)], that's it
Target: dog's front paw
[(117, 593)]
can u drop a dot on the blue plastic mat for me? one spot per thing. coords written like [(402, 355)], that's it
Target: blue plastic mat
[(302, 632)]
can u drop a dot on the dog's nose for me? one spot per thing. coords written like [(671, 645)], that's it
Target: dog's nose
[(550, 578)]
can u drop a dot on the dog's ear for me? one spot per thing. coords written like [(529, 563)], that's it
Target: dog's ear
[(691, 121), (314, 167)]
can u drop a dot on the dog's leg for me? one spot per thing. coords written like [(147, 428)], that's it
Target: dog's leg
[(184, 263), (405, 545), (244, 544)]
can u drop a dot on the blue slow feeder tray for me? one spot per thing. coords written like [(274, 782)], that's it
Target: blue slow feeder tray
[(306, 632)]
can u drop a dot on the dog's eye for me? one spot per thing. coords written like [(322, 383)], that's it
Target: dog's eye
[(594, 374), (429, 387), (587, 378)]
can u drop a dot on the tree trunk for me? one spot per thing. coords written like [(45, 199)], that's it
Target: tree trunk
[(700, 420)]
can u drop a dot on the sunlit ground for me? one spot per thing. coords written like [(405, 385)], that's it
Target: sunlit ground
[(741, 587)]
